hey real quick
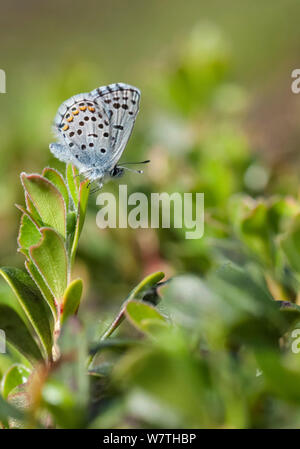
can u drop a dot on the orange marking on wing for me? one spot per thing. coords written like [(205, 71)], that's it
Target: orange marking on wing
[(70, 119), (82, 108), (65, 127)]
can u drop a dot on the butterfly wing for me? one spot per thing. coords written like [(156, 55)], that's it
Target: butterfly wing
[(93, 128), (83, 129), (121, 102)]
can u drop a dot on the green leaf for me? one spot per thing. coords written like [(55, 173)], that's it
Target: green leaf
[(29, 233), (278, 376), (102, 370), (56, 178), (18, 334), (42, 286), (47, 200), (71, 228), (50, 258), (32, 209), (71, 224), (290, 312), (15, 376), (147, 283), (250, 313), (256, 223), (33, 304), (61, 403), (234, 283), (81, 212), (8, 411), (114, 344), (144, 317), (71, 299), (290, 244), (73, 181), (37, 221)]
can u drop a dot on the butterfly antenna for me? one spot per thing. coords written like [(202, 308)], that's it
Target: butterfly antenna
[(133, 163), (131, 169), (136, 163)]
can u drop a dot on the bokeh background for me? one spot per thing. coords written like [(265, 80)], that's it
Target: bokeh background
[(202, 133), (217, 116)]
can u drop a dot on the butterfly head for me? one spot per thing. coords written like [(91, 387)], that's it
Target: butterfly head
[(117, 172)]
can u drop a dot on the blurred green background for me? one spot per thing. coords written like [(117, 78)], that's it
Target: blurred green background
[(217, 116), (242, 105)]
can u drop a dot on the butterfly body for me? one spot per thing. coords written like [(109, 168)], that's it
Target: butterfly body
[(93, 130)]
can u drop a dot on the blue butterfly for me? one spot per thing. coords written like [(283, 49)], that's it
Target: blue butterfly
[(93, 130)]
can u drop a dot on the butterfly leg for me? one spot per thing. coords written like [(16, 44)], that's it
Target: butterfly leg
[(60, 151), (96, 189)]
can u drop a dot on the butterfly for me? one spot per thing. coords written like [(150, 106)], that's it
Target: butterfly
[(93, 129)]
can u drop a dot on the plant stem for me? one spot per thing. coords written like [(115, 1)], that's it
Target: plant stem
[(111, 328)]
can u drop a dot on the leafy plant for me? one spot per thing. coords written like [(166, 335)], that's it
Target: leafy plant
[(217, 351), (48, 237), (51, 224)]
